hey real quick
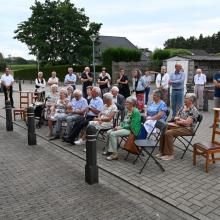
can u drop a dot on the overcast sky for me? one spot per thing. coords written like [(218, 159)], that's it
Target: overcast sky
[(146, 23)]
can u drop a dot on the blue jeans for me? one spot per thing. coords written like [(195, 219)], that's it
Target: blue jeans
[(177, 100), (147, 91)]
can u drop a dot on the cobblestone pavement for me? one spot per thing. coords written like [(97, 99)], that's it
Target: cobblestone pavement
[(182, 185), (45, 182)]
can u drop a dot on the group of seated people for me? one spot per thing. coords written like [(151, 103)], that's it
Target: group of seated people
[(78, 112)]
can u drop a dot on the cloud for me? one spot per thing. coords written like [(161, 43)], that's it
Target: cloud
[(145, 23)]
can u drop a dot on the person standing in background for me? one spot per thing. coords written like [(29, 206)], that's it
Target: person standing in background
[(216, 81), (86, 80), (70, 78), (123, 84), (103, 82), (177, 82), (139, 89), (108, 75), (147, 81), (162, 83), (7, 81), (53, 79), (200, 81)]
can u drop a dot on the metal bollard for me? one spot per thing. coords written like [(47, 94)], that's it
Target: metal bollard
[(91, 168), (19, 86), (8, 112), (205, 100), (31, 126)]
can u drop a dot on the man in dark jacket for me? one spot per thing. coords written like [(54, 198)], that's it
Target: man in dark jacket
[(119, 101)]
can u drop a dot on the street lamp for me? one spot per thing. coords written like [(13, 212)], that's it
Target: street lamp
[(93, 38)]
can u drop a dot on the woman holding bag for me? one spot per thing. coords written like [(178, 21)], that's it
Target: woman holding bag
[(131, 123)]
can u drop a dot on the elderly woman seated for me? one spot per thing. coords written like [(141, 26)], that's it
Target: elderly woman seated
[(58, 109), (105, 118), (156, 110), (51, 99), (185, 122), (131, 123)]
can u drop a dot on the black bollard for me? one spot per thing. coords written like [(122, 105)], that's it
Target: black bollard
[(205, 100), (19, 86), (91, 168), (31, 126), (8, 112)]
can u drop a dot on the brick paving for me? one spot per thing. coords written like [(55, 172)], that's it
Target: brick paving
[(45, 182), (182, 185)]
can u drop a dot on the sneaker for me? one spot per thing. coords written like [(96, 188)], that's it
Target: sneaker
[(112, 157), (84, 150), (106, 153), (80, 142), (158, 155), (167, 157)]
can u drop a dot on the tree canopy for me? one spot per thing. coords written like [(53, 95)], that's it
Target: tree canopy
[(210, 43), (58, 32)]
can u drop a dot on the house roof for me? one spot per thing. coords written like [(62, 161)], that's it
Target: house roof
[(201, 58), (197, 52), (113, 41)]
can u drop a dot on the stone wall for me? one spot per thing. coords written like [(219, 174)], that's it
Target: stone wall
[(129, 67)]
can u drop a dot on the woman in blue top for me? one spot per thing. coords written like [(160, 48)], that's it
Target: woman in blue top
[(155, 111), (157, 108)]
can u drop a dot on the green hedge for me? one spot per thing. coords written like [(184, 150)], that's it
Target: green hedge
[(118, 54), (31, 73)]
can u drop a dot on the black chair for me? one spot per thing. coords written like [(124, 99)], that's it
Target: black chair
[(167, 114), (148, 145), (186, 140)]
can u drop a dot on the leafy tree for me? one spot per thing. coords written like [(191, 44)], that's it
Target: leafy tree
[(2, 63), (159, 55), (16, 60), (210, 43), (58, 32)]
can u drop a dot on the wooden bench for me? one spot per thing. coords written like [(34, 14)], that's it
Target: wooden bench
[(206, 150)]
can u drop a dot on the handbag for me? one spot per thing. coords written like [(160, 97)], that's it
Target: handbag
[(130, 146)]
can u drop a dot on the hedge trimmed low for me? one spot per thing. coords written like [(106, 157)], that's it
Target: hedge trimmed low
[(31, 74)]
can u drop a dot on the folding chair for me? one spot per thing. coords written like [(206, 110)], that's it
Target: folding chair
[(148, 145), (167, 114), (186, 140)]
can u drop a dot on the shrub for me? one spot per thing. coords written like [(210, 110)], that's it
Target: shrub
[(118, 54), (31, 73)]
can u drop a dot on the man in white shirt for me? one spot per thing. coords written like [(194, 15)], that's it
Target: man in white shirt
[(70, 78), (200, 81), (7, 81), (162, 83)]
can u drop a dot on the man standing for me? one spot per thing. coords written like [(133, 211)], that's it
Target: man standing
[(119, 101), (70, 78), (216, 81), (200, 81), (162, 83), (86, 79), (177, 81), (53, 79), (7, 81)]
